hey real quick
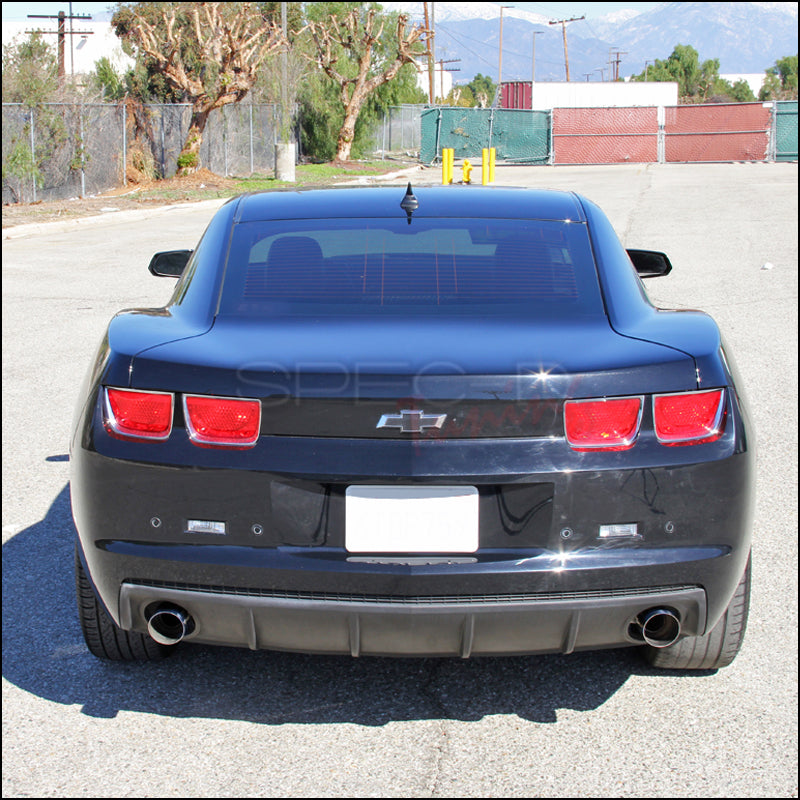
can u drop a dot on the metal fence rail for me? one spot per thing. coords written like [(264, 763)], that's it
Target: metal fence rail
[(719, 132), (605, 135), (58, 150)]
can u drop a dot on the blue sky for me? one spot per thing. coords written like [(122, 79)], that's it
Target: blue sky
[(21, 10), (555, 10)]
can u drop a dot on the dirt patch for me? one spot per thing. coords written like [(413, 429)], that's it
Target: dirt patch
[(201, 185)]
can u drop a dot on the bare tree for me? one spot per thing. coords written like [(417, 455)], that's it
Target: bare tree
[(353, 51), (208, 52)]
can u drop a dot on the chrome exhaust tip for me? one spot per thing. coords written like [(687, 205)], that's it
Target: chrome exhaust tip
[(169, 624), (659, 627)]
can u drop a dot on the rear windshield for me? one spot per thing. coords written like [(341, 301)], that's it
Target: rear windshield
[(430, 267)]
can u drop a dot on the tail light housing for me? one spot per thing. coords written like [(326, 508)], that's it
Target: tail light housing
[(134, 414), (222, 421), (604, 424), (689, 417)]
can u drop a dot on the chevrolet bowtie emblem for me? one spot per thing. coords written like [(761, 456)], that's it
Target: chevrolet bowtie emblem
[(412, 421)]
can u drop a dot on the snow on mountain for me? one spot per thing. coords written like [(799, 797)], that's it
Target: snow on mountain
[(744, 37), (466, 12)]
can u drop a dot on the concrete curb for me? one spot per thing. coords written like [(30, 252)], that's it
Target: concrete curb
[(366, 180)]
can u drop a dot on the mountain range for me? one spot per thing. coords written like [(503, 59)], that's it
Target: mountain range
[(746, 38)]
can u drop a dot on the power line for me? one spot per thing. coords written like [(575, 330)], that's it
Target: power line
[(616, 62), (62, 33), (563, 24)]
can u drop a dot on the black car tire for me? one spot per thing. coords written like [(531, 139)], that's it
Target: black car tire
[(719, 646), (104, 638)]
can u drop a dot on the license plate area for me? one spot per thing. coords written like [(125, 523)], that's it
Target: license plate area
[(411, 519)]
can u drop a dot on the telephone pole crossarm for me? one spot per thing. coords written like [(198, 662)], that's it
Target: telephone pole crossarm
[(563, 24), (62, 32)]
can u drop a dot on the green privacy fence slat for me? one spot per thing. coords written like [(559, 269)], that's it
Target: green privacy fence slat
[(519, 136), (786, 131)]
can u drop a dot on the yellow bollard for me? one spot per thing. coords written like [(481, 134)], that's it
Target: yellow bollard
[(448, 157), (467, 170), (484, 166), (491, 164)]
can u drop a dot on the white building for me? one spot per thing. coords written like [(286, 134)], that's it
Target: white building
[(754, 80), (90, 41), (604, 94), (442, 80)]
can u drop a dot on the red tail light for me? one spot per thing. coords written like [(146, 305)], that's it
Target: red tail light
[(140, 415), (602, 424), (222, 421), (689, 418)]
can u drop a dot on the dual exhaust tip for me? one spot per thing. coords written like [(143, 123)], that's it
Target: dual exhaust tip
[(658, 627), (169, 624)]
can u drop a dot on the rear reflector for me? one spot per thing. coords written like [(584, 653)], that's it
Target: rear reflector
[(222, 421), (689, 418), (139, 415), (602, 424)]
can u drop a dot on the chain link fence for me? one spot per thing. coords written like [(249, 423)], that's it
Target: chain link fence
[(786, 130), (521, 137), (605, 135), (613, 135), (719, 132), (399, 134), (58, 150)]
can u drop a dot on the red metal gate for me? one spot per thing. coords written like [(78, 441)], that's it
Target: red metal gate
[(724, 132), (605, 135)]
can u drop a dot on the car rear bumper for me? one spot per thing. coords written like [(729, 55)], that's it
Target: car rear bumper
[(543, 578), (414, 626)]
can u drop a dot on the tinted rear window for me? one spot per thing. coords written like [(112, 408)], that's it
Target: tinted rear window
[(432, 266)]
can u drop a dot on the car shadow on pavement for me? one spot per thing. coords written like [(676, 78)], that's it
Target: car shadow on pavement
[(44, 654)]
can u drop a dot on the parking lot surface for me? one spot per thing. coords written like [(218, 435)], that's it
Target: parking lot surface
[(216, 722)]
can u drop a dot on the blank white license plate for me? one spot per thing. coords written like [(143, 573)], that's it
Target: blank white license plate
[(411, 519)]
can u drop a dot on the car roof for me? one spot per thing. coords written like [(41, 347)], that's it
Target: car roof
[(464, 201)]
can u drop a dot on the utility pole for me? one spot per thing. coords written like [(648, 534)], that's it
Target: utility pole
[(533, 60), (615, 62), (62, 33), (431, 61), (646, 66), (533, 64), (563, 24), (500, 64), (284, 73), (441, 62)]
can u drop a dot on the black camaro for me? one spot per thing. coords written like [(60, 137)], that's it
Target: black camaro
[(433, 422)]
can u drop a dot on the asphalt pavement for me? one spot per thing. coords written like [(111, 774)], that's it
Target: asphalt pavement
[(216, 722)]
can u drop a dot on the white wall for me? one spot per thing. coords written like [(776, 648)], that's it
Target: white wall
[(443, 80), (592, 94), (754, 80), (86, 50)]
